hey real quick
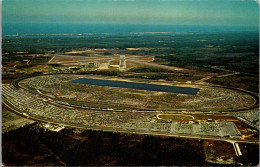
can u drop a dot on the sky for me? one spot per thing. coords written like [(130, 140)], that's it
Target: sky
[(164, 12)]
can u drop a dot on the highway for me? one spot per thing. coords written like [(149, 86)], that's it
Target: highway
[(248, 123)]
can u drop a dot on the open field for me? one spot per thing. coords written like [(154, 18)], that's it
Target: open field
[(106, 62), (98, 60)]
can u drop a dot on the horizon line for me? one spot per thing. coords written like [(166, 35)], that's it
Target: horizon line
[(138, 24)]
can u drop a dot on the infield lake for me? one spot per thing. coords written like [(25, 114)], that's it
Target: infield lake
[(134, 85)]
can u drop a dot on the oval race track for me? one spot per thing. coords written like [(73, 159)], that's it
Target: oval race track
[(44, 108)]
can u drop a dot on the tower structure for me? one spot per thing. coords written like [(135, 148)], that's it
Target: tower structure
[(122, 63)]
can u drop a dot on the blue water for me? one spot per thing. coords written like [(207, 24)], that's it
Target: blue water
[(43, 29), (140, 86)]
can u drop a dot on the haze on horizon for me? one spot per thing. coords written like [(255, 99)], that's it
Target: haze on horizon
[(156, 12)]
